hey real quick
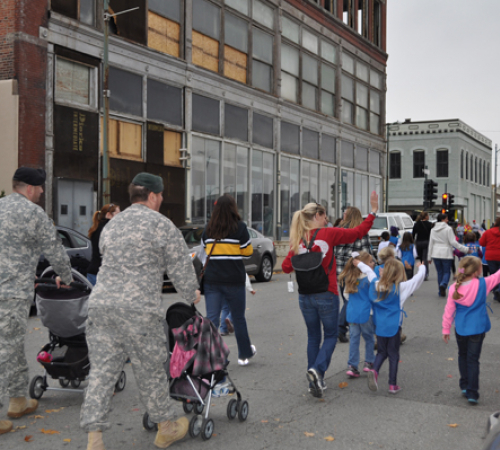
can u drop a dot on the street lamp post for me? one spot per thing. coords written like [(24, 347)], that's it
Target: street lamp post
[(387, 125)]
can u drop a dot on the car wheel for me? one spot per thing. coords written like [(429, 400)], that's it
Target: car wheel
[(266, 269)]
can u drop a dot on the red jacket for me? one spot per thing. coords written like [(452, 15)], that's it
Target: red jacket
[(491, 240), (326, 240)]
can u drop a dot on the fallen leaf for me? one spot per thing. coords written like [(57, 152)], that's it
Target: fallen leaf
[(289, 354), (136, 409), (450, 359), (264, 421), (21, 427), (343, 385), (49, 411), (453, 425), (449, 376), (44, 431), (308, 434), (66, 440), (277, 420), (28, 438), (38, 417), (329, 438), (36, 328)]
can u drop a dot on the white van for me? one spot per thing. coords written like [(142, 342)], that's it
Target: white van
[(384, 222)]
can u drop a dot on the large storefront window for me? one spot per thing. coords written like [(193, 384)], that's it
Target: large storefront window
[(309, 183), (347, 189), (328, 190), (262, 192), (289, 192), (235, 176)]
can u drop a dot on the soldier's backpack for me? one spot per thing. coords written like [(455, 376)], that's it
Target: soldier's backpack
[(309, 272)]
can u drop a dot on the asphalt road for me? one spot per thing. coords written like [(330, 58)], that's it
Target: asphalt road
[(282, 414)]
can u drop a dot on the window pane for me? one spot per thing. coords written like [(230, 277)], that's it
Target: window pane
[(347, 189), (236, 32), (309, 69), (87, 11), (395, 165), (290, 59), (361, 118), (362, 158), (242, 199), (309, 41), (235, 64), (309, 94), (328, 78), (375, 79), (347, 63), (170, 8), (347, 112), (198, 180), (328, 147), (290, 138), (268, 191), (262, 76), (374, 101), (304, 185), (291, 30), (126, 92), (238, 5), (374, 123), (310, 143), (236, 122), (328, 51), (263, 130), (262, 46), (229, 169), (362, 95), (163, 34), (327, 103), (289, 87), (347, 154), (263, 14), (328, 191), (359, 192), (374, 162), (164, 102), (257, 191), (206, 114), (206, 18), (362, 71), (212, 177), (206, 51), (72, 82), (347, 88)]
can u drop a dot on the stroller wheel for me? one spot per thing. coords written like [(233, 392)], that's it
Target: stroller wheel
[(232, 409), (37, 387), (122, 381), (147, 424), (195, 426), (198, 408), (207, 429), (75, 383), (243, 411), (64, 383), (187, 407)]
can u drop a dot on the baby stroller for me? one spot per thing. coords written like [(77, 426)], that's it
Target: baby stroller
[(193, 387), (64, 312)]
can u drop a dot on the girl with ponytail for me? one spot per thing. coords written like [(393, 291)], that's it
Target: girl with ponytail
[(99, 220), (467, 306)]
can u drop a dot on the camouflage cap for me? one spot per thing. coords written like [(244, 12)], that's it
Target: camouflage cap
[(152, 182), (33, 177)]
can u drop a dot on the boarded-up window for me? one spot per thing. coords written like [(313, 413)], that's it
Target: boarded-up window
[(235, 52), (163, 34), (235, 64), (125, 140), (171, 146), (205, 52), (72, 82)]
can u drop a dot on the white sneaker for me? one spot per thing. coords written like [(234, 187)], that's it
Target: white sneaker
[(244, 362)]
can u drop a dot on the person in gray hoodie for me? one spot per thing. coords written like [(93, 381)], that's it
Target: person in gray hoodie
[(441, 243)]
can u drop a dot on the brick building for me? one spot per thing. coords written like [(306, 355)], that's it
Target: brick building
[(279, 102)]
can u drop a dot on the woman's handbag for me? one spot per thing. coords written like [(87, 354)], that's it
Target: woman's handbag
[(202, 273)]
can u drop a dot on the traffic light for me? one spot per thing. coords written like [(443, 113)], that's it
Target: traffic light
[(451, 201), (430, 192), (445, 200), (443, 211)]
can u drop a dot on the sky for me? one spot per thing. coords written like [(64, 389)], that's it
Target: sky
[(444, 62)]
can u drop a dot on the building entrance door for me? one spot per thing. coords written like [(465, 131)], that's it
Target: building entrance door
[(75, 201)]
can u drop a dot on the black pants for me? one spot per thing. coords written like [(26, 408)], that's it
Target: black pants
[(422, 254), (343, 324), (469, 352), (409, 273), (388, 347), (486, 270)]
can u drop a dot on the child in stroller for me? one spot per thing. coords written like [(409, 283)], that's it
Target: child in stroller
[(64, 312), (198, 364)]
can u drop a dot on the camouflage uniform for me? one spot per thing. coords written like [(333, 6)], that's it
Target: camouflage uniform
[(125, 317), (25, 233)]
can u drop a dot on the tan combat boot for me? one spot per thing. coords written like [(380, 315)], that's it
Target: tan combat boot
[(19, 406), (95, 441), (5, 426), (169, 432)]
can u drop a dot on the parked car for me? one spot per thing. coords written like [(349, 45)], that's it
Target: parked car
[(260, 264), (384, 222), (492, 438)]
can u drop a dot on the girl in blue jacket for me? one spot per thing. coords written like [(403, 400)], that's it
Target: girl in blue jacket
[(387, 297), (359, 315), (407, 253)]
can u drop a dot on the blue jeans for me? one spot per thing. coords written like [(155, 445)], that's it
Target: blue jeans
[(443, 267), (494, 266), (92, 278), (366, 329), (469, 351), (319, 309), (225, 314), (234, 294)]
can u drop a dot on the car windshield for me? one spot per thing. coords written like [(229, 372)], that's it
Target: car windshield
[(192, 236), (380, 223)]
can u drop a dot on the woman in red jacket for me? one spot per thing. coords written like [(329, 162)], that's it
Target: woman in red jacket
[(321, 307), (491, 241)]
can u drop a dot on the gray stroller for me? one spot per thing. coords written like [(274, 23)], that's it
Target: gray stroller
[(64, 312)]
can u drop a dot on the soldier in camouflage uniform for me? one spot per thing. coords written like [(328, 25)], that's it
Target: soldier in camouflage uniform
[(25, 233), (125, 316)]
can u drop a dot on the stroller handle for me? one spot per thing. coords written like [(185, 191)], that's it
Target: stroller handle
[(49, 284)]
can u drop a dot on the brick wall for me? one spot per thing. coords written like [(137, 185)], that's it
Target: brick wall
[(7, 28)]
